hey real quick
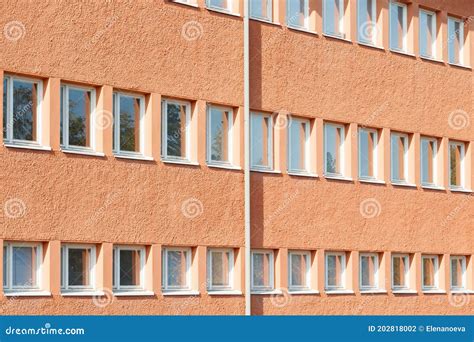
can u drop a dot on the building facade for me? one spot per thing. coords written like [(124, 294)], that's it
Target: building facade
[(122, 183)]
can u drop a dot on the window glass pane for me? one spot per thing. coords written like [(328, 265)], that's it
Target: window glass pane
[(298, 145), (219, 130), (222, 4), (25, 99), (220, 268), (5, 109), (333, 15), (260, 127), (297, 13), (366, 21), (177, 269), (332, 148), (366, 153), (261, 9), (334, 270), (397, 28), (176, 130), (24, 266), (455, 40), (79, 117), (5, 271), (298, 270), (399, 265), (427, 161), (398, 147), (426, 34), (130, 266), (129, 123), (261, 270), (428, 272), (368, 269), (455, 155), (79, 266)]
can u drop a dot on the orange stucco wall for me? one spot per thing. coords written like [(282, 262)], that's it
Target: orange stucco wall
[(139, 46)]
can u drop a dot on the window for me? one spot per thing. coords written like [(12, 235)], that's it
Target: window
[(427, 34), (21, 266), (299, 270), (176, 122), (299, 145), (262, 141), (262, 271), (367, 153), (129, 268), (128, 131), (221, 5), (367, 21), (399, 157), (77, 267), (333, 17), (21, 110), (398, 26), (458, 272), (176, 269), (429, 272), (456, 164), (333, 149), (298, 13), (369, 266), (77, 121), (400, 271), (261, 9), (335, 270), (220, 269), (455, 40), (219, 135), (428, 161)]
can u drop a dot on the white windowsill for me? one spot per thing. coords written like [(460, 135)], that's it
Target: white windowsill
[(224, 293), (265, 21), (370, 45), (185, 3), (432, 59), (179, 162), (375, 291), (265, 171), (136, 293), (223, 11), (432, 187), (181, 293), (342, 178), (408, 185), (82, 293), (302, 29), (83, 152), (407, 291), (335, 36), (461, 291), (28, 294), (373, 181), (28, 146), (433, 291), (222, 166), (401, 52), (133, 157), (267, 292), (339, 292), (460, 66), (303, 174), (303, 292), (467, 191)]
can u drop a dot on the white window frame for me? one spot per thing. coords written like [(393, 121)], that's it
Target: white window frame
[(461, 43), (305, 13), (164, 130), (405, 158), (165, 286), (8, 139), (65, 287), (376, 272), (340, 23), (271, 269), (307, 145), (221, 9), (461, 167), (374, 152), (230, 130), (211, 287), (256, 17), (464, 272), (9, 288), (360, 38), (433, 29), (270, 143), (406, 258), (405, 26), (141, 124), (116, 264), (292, 287), (328, 287), (436, 274), (435, 161), (341, 150), (65, 87)]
